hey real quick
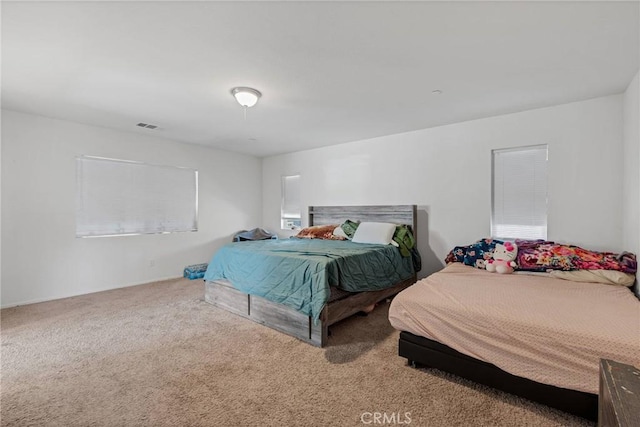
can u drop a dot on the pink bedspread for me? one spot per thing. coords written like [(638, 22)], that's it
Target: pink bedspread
[(549, 330)]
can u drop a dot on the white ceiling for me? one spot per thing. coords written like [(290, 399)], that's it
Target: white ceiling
[(330, 72)]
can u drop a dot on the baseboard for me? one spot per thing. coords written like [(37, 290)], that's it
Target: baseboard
[(39, 300)]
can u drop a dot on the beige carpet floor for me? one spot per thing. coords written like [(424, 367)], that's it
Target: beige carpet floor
[(158, 355)]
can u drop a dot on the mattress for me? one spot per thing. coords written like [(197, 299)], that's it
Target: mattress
[(299, 272), (549, 330)]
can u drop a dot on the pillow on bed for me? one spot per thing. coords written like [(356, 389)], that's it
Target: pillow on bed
[(380, 233), (456, 254), (319, 232), (542, 255), (475, 254), (339, 233), (349, 227), (608, 277)]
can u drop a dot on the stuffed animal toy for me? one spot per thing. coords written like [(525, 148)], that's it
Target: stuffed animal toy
[(503, 258)]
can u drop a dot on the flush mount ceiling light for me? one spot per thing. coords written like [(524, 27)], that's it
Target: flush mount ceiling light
[(246, 96)]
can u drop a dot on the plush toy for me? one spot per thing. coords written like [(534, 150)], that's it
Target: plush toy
[(503, 258)]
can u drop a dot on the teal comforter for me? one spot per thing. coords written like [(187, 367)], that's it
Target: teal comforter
[(298, 272)]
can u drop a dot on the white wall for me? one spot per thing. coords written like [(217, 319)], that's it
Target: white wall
[(446, 171), (631, 180), (0, 210), (42, 258)]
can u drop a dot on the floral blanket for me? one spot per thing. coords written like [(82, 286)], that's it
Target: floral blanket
[(540, 255)]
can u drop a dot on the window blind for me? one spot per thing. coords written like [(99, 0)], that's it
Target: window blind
[(119, 197), (291, 211), (519, 193)]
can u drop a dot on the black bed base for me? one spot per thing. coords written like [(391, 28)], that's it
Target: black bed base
[(424, 352)]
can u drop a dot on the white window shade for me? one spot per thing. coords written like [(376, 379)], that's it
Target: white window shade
[(118, 197), (519, 193), (291, 210)]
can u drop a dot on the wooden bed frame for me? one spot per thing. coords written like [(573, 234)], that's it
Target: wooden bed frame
[(423, 352), (221, 293)]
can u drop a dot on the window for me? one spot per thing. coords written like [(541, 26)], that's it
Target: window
[(120, 197), (519, 193), (290, 212)]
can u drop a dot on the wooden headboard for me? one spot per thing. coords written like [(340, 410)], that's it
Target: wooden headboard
[(397, 214)]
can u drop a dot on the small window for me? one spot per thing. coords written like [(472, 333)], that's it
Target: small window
[(290, 208), (120, 197), (519, 193)]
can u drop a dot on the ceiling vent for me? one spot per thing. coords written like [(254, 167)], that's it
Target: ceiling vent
[(146, 125)]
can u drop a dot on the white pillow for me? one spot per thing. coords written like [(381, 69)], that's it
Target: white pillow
[(380, 233), (339, 232)]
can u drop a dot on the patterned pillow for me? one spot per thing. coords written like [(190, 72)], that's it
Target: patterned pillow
[(456, 254), (541, 255), (478, 253), (531, 255), (349, 227), (475, 254), (319, 232)]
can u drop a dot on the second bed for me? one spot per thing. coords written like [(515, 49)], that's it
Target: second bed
[(539, 337)]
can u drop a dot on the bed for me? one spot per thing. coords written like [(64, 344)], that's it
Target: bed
[(308, 319), (537, 337)]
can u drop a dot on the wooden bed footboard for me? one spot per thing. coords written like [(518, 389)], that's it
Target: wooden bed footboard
[(276, 316), (287, 320)]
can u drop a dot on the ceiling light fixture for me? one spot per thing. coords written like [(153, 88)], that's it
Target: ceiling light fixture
[(246, 96)]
